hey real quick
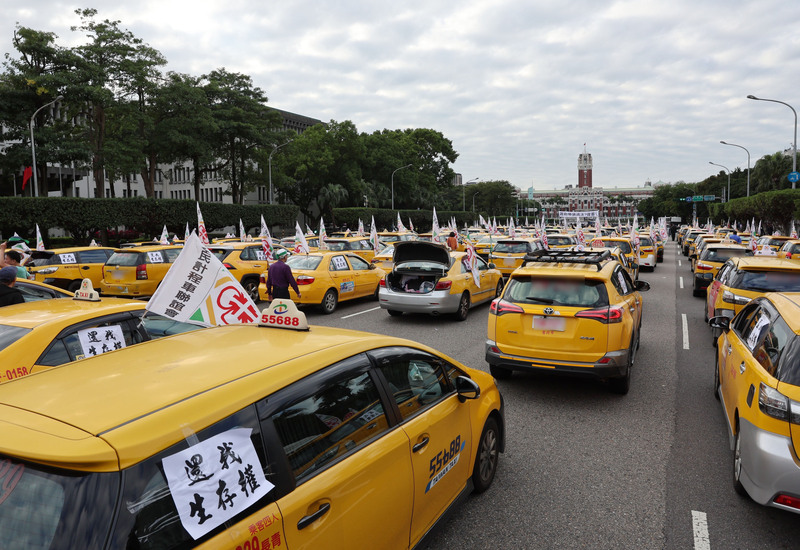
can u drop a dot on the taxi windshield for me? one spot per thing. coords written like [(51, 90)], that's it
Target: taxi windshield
[(767, 281), (44, 508), (304, 262), (560, 292), (9, 335), (158, 326), (560, 241), (124, 258), (336, 246), (624, 246), (724, 254), (511, 247), (645, 241)]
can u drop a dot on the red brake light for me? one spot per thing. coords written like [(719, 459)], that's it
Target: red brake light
[(501, 307), (228, 266), (383, 282), (789, 255), (141, 272), (443, 285), (304, 280), (703, 267), (787, 500), (604, 315)]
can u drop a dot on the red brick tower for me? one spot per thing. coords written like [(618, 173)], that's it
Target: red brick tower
[(585, 169)]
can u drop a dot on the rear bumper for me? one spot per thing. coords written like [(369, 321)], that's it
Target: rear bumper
[(647, 261), (432, 302), (702, 280), (769, 465), (613, 365), (139, 288)]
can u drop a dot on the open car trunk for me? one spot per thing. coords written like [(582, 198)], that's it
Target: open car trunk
[(417, 283), (418, 266)]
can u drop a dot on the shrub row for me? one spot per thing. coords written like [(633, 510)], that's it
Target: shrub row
[(775, 209)]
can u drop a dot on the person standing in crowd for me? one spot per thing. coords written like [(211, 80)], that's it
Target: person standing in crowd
[(13, 258), (8, 293), (734, 236), (279, 277), (452, 241)]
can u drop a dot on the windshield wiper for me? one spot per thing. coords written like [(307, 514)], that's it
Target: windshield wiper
[(539, 300)]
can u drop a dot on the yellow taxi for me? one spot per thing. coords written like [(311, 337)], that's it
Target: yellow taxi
[(626, 246), (659, 247), (689, 238), (246, 261), (289, 243), (739, 280), (360, 246), (137, 272), (316, 438), (775, 242), (40, 335), (392, 236), (757, 378), (385, 258), (33, 291), (568, 312), (561, 241), (702, 243), (696, 241), (327, 278), (428, 278), (509, 254), (790, 250), (711, 259), (67, 267), (616, 253), (484, 245), (648, 252)]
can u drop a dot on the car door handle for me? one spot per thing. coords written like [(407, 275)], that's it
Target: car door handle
[(311, 518), (256, 265), (742, 368), (85, 267), (421, 445)]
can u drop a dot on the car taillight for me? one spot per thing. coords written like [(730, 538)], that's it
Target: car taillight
[(141, 272), (773, 403), (304, 280), (604, 315), (383, 282), (789, 255), (443, 285), (648, 250), (228, 266), (262, 280), (787, 500), (731, 298), (703, 267), (501, 307)]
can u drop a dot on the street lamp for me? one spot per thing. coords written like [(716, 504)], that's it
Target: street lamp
[(393, 173), (475, 194), (794, 144), (463, 186), (269, 161), (748, 162), (33, 145), (729, 179)]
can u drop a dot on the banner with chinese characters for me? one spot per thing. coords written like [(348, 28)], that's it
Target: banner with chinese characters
[(199, 289), (214, 480), (99, 340)]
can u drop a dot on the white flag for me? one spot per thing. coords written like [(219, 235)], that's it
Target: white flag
[(241, 231), (266, 240), (39, 241), (400, 226), (186, 234), (322, 234), (435, 231), (373, 237), (471, 261), (360, 228), (164, 236), (199, 289), (410, 224), (300, 243), (201, 226)]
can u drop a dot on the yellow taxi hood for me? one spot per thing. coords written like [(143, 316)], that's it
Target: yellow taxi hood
[(38, 438), (148, 397), (33, 314)]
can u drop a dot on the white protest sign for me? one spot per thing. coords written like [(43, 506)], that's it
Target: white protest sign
[(67, 258), (214, 480), (99, 340), (155, 257)]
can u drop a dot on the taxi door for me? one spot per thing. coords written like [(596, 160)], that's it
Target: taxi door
[(365, 278), (736, 354), (342, 277), (438, 428), (714, 290), (253, 259), (631, 303)]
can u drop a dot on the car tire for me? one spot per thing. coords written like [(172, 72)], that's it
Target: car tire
[(463, 308), (487, 456), (737, 465), (376, 294), (499, 289), (501, 373), (622, 384), (251, 288), (394, 312), (716, 375), (696, 292), (329, 302)]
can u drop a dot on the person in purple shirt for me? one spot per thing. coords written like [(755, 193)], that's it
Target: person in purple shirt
[(279, 277)]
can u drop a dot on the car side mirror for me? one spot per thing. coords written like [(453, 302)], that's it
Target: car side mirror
[(642, 286), (492, 266), (467, 388), (371, 266), (634, 265), (721, 322)]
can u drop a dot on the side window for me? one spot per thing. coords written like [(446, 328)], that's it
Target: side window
[(770, 348), (754, 328), (246, 254), (723, 273), (415, 378), (93, 256), (89, 339), (482, 266), (338, 263), (621, 281), (339, 418), (358, 263), (742, 320), (149, 519)]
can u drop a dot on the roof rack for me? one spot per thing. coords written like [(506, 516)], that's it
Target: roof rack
[(594, 258)]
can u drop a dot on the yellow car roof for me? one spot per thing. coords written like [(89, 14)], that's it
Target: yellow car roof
[(788, 302), (77, 249), (772, 263), (149, 248), (64, 311), (146, 398)]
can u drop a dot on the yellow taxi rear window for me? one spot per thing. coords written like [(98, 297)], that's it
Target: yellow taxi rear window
[(9, 335)]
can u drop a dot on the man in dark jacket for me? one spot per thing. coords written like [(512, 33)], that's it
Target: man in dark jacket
[(8, 294), (279, 277)]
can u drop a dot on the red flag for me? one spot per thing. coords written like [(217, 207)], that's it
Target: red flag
[(26, 175)]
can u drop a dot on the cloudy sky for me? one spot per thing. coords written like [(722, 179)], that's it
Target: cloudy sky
[(650, 87)]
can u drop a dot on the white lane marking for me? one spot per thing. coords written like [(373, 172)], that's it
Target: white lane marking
[(700, 528), (685, 331), (679, 263), (680, 279), (360, 312)]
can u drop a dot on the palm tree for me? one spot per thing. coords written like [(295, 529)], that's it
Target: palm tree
[(770, 172)]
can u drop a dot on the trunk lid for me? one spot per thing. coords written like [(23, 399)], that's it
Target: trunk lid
[(421, 251)]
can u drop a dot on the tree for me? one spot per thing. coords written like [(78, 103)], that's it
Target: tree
[(495, 198), (771, 172)]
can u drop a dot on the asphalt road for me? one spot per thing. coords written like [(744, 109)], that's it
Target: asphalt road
[(585, 468)]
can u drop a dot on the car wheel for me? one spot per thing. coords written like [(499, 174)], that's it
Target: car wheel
[(463, 308), (697, 292), (622, 384), (737, 465), (251, 287), (487, 457), (329, 302), (394, 312), (499, 289), (501, 373), (74, 286), (716, 375), (376, 294)]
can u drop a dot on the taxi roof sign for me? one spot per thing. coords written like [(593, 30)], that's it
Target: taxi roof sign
[(87, 292), (283, 314)]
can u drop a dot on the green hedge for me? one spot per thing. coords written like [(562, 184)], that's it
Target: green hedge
[(776, 209), (83, 217), (386, 219)]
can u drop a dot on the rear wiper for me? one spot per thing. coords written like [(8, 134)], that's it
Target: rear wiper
[(540, 300)]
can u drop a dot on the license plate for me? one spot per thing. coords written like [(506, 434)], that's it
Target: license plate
[(549, 323)]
